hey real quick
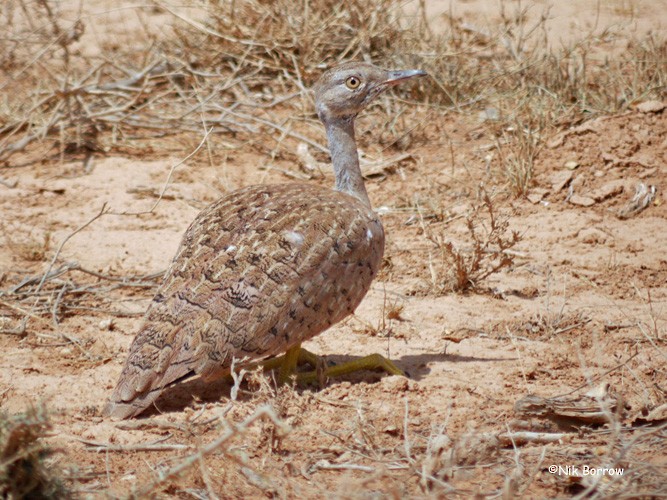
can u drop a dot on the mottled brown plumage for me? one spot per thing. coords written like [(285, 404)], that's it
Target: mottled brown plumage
[(266, 267)]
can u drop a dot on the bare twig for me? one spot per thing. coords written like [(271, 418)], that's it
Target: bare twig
[(218, 444), (48, 274), (171, 172)]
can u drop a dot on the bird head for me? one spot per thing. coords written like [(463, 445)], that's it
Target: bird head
[(345, 90)]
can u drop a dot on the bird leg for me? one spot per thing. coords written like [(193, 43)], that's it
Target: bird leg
[(297, 355), (371, 362), (289, 363), (304, 356)]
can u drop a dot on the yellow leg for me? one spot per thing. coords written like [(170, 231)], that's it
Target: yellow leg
[(372, 362), (296, 355), (305, 356), (288, 366)]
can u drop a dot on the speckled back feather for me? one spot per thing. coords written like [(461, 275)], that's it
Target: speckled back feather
[(259, 271)]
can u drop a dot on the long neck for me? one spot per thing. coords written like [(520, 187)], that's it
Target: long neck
[(345, 159)]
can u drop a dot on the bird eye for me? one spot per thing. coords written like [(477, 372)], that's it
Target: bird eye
[(352, 82)]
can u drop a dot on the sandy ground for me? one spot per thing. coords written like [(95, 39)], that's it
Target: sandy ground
[(583, 305)]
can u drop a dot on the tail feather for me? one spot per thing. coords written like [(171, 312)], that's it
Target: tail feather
[(149, 369), (123, 406), (122, 410)]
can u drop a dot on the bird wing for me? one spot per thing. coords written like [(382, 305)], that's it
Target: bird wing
[(262, 269)]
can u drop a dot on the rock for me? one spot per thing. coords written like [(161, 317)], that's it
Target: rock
[(610, 189), (391, 429), (571, 164), (651, 106), (582, 201), (560, 180), (658, 414), (535, 196), (491, 114), (106, 324)]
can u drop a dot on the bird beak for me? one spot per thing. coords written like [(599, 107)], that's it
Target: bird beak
[(396, 77)]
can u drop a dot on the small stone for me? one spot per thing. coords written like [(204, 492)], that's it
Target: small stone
[(651, 106), (582, 201), (610, 189), (489, 114), (391, 429), (535, 196), (658, 414), (571, 164), (560, 180), (106, 324)]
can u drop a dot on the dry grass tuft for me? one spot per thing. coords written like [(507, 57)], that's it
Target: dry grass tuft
[(26, 467), (517, 150), (222, 444), (385, 326), (235, 66), (281, 41)]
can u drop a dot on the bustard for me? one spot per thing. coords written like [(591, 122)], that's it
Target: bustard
[(266, 267)]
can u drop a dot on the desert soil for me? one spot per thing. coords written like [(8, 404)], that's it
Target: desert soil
[(583, 307)]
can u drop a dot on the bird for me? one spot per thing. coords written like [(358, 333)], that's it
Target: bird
[(266, 267)]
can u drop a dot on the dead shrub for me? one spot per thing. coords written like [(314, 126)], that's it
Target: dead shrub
[(458, 269), (26, 465), (284, 39), (237, 66)]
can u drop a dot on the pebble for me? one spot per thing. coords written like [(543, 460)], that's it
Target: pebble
[(536, 195), (582, 201), (608, 190), (561, 179)]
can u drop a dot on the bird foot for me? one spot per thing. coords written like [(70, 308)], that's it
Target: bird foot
[(297, 356), (371, 362)]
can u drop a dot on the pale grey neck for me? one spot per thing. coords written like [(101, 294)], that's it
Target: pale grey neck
[(345, 159)]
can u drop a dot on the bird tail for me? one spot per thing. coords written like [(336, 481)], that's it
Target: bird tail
[(121, 410)]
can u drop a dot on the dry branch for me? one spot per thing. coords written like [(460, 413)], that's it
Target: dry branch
[(219, 444), (57, 292)]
